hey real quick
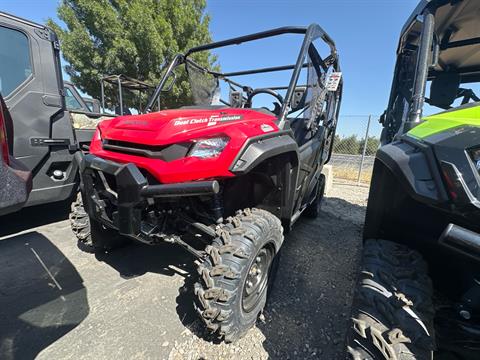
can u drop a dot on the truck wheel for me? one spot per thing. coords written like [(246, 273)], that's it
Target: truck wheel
[(392, 312), (93, 236), (313, 210), (234, 278)]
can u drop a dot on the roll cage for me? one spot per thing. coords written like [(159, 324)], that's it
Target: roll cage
[(435, 45), (311, 33), (123, 82)]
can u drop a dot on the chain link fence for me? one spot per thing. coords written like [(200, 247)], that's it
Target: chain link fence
[(354, 148)]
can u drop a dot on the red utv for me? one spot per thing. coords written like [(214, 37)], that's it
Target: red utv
[(219, 177), (15, 179)]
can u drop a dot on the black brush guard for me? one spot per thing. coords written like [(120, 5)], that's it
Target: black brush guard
[(132, 190)]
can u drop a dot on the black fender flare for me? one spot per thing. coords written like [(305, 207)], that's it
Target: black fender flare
[(259, 149), (414, 165)]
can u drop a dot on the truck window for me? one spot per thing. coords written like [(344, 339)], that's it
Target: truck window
[(89, 104), (15, 59), (71, 102)]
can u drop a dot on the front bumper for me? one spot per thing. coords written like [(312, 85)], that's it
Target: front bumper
[(116, 194)]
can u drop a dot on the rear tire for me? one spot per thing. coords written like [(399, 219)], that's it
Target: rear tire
[(91, 235), (392, 312), (235, 278), (313, 210)]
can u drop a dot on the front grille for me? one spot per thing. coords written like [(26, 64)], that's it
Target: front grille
[(163, 152)]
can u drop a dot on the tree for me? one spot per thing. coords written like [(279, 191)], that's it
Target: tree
[(347, 145), (131, 37), (373, 143), (351, 145)]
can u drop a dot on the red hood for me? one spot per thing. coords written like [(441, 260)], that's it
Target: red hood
[(170, 126), (183, 126)]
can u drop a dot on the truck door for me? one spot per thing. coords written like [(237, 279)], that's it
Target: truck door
[(31, 83)]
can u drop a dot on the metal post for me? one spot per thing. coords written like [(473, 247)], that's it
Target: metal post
[(364, 149), (102, 90), (120, 97)]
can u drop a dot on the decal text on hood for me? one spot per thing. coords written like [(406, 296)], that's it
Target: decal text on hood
[(212, 120)]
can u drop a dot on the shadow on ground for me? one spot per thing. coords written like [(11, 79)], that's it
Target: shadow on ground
[(137, 259), (37, 306), (34, 216), (165, 259)]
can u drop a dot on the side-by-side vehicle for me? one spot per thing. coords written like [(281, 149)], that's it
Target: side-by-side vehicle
[(418, 293), (220, 177)]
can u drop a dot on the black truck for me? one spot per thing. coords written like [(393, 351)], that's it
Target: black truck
[(48, 131)]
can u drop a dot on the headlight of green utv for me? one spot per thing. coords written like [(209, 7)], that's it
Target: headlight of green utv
[(208, 148)]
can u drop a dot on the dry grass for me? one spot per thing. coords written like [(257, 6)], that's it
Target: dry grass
[(349, 173)]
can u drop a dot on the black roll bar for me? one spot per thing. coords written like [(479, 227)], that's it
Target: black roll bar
[(422, 70), (261, 70), (312, 32), (251, 37)]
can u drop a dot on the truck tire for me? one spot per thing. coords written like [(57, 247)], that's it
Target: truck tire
[(392, 312), (235, 277), (91, 235), (313, 210)]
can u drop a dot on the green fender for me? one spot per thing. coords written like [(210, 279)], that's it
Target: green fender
[(434, 124)]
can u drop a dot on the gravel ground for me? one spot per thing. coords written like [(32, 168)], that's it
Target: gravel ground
[(309, 307), (136, 302)]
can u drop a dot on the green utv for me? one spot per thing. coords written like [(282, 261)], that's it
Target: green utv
[(418, 293)]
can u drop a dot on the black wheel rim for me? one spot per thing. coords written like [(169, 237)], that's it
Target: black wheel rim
[(256, 281)]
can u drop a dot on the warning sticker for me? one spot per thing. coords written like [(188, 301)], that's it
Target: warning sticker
[(333, 81), (266, 128)]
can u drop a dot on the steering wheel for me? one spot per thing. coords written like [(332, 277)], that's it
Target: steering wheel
[(265, 91)]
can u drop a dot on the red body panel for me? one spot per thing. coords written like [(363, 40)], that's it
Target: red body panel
[(179, 126)]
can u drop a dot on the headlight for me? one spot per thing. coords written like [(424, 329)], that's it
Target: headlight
[(208, 148)]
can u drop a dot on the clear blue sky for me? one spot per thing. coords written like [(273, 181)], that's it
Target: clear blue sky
[(366, 33)]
